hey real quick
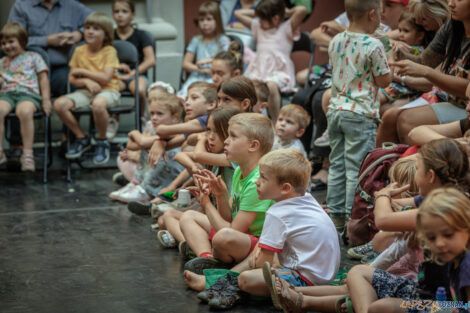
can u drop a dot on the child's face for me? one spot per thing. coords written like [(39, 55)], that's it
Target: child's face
[(267, 185), (207, 24), (11, 47), (409, 34), (122, 14), (94, 35), (267, 25), (160, 114), (220, 72), (423, 177), (287, 127), (225, 99), (196, 104), (216, 144), (445, 242), (237, 144)]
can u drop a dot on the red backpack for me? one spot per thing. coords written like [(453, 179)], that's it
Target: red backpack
[(373, 176)]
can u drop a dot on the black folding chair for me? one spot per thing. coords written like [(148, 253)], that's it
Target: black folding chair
[(37, 115), (127, 53)]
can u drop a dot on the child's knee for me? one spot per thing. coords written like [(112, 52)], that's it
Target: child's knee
[(360, 271), (161, 222), (223, 238), (62, 104), (244, 280), (24, 112), (99, 104), (187, 218)]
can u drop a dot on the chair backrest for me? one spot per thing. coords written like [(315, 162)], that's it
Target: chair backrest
[(154, 46), (245, 36), (126, 52), (304, 43)]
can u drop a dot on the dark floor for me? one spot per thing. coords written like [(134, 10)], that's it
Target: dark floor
[(69, 248)]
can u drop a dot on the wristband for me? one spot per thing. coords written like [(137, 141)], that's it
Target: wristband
[(403, 83), (383, 195)]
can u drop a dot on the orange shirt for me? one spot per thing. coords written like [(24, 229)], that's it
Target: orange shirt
[(106, 57)]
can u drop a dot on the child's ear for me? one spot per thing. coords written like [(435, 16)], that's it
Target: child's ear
[(286, 188), (432, 176), (254, 145), (371, 14), (300, 132), (246, 103), (176, 117), (236, 72), (212, 105)]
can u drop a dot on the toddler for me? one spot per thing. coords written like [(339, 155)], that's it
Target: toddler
[(23, 80), (290, 126)]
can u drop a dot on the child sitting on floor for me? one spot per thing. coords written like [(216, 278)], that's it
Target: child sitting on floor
[(296, 228), (230, 231), (22, 75), (164, 109), (208, 151), (290, 126)]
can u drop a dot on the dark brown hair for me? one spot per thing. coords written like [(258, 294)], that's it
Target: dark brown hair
[(102, 21), (240, 88), (262, 90), (267, 9), (128, 2), (220, 116), (15, 30), (232, 59), (449, 161), (208, 90)]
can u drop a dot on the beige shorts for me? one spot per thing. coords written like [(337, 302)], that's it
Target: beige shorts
[(82, 98)]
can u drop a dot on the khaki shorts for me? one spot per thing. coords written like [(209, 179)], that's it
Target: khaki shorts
[(82, 98)]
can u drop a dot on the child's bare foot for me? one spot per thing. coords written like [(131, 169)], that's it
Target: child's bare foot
[(194, 281)]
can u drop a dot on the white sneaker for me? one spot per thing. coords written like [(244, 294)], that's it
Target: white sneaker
[(3, 157), (166, 239), (113, 126), (135, 194), (323, 140), (116, 195)]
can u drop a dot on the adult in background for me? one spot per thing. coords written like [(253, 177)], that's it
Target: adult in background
[(54, 25)]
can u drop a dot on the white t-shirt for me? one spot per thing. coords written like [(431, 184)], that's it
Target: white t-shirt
[(304, 237), (342, 19), (295, 144)]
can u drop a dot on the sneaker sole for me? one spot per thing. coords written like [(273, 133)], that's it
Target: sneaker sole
[(322, 144), (139, 208), (270, 280), (354, 256), (102, 162), (198, 265), (159, 236), (77, 155)]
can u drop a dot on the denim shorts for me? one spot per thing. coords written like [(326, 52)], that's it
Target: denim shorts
[(293, 277), (128, 81)]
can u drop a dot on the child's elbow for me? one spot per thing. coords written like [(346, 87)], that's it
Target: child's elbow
[(384, 80), (302, 10)]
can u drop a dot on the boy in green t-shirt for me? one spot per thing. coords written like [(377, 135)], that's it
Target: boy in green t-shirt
[(230, 232)]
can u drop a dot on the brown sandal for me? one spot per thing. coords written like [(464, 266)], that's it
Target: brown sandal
[(288, 304)]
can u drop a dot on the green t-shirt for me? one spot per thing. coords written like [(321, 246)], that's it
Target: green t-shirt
[(245, 198)]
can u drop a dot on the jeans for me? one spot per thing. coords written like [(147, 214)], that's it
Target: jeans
[(352, 136)]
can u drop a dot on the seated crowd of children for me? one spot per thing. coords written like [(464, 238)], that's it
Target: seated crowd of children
[(252, 227)]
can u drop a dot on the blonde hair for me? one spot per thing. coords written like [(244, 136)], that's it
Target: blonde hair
[(208, 90), (437, 10), (355, 9), (15, 30), (403, 172), (102, 21), (297, 112), (449, 204), (170, 102), (289, 166), (256, 126)]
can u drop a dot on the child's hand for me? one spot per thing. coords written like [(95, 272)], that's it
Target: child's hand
[(77, 72), (92, 86), (392, 190), (216, 184), (202, 62), (135, 136), (46, 106), (156, 153), (254, 257), (123, 155), (166, 189), (205, 70), (124, 68)]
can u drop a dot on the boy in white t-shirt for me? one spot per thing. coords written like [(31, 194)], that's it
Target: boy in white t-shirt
[(296, 228)]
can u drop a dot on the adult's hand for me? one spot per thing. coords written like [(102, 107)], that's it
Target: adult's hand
[(410, 68)]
